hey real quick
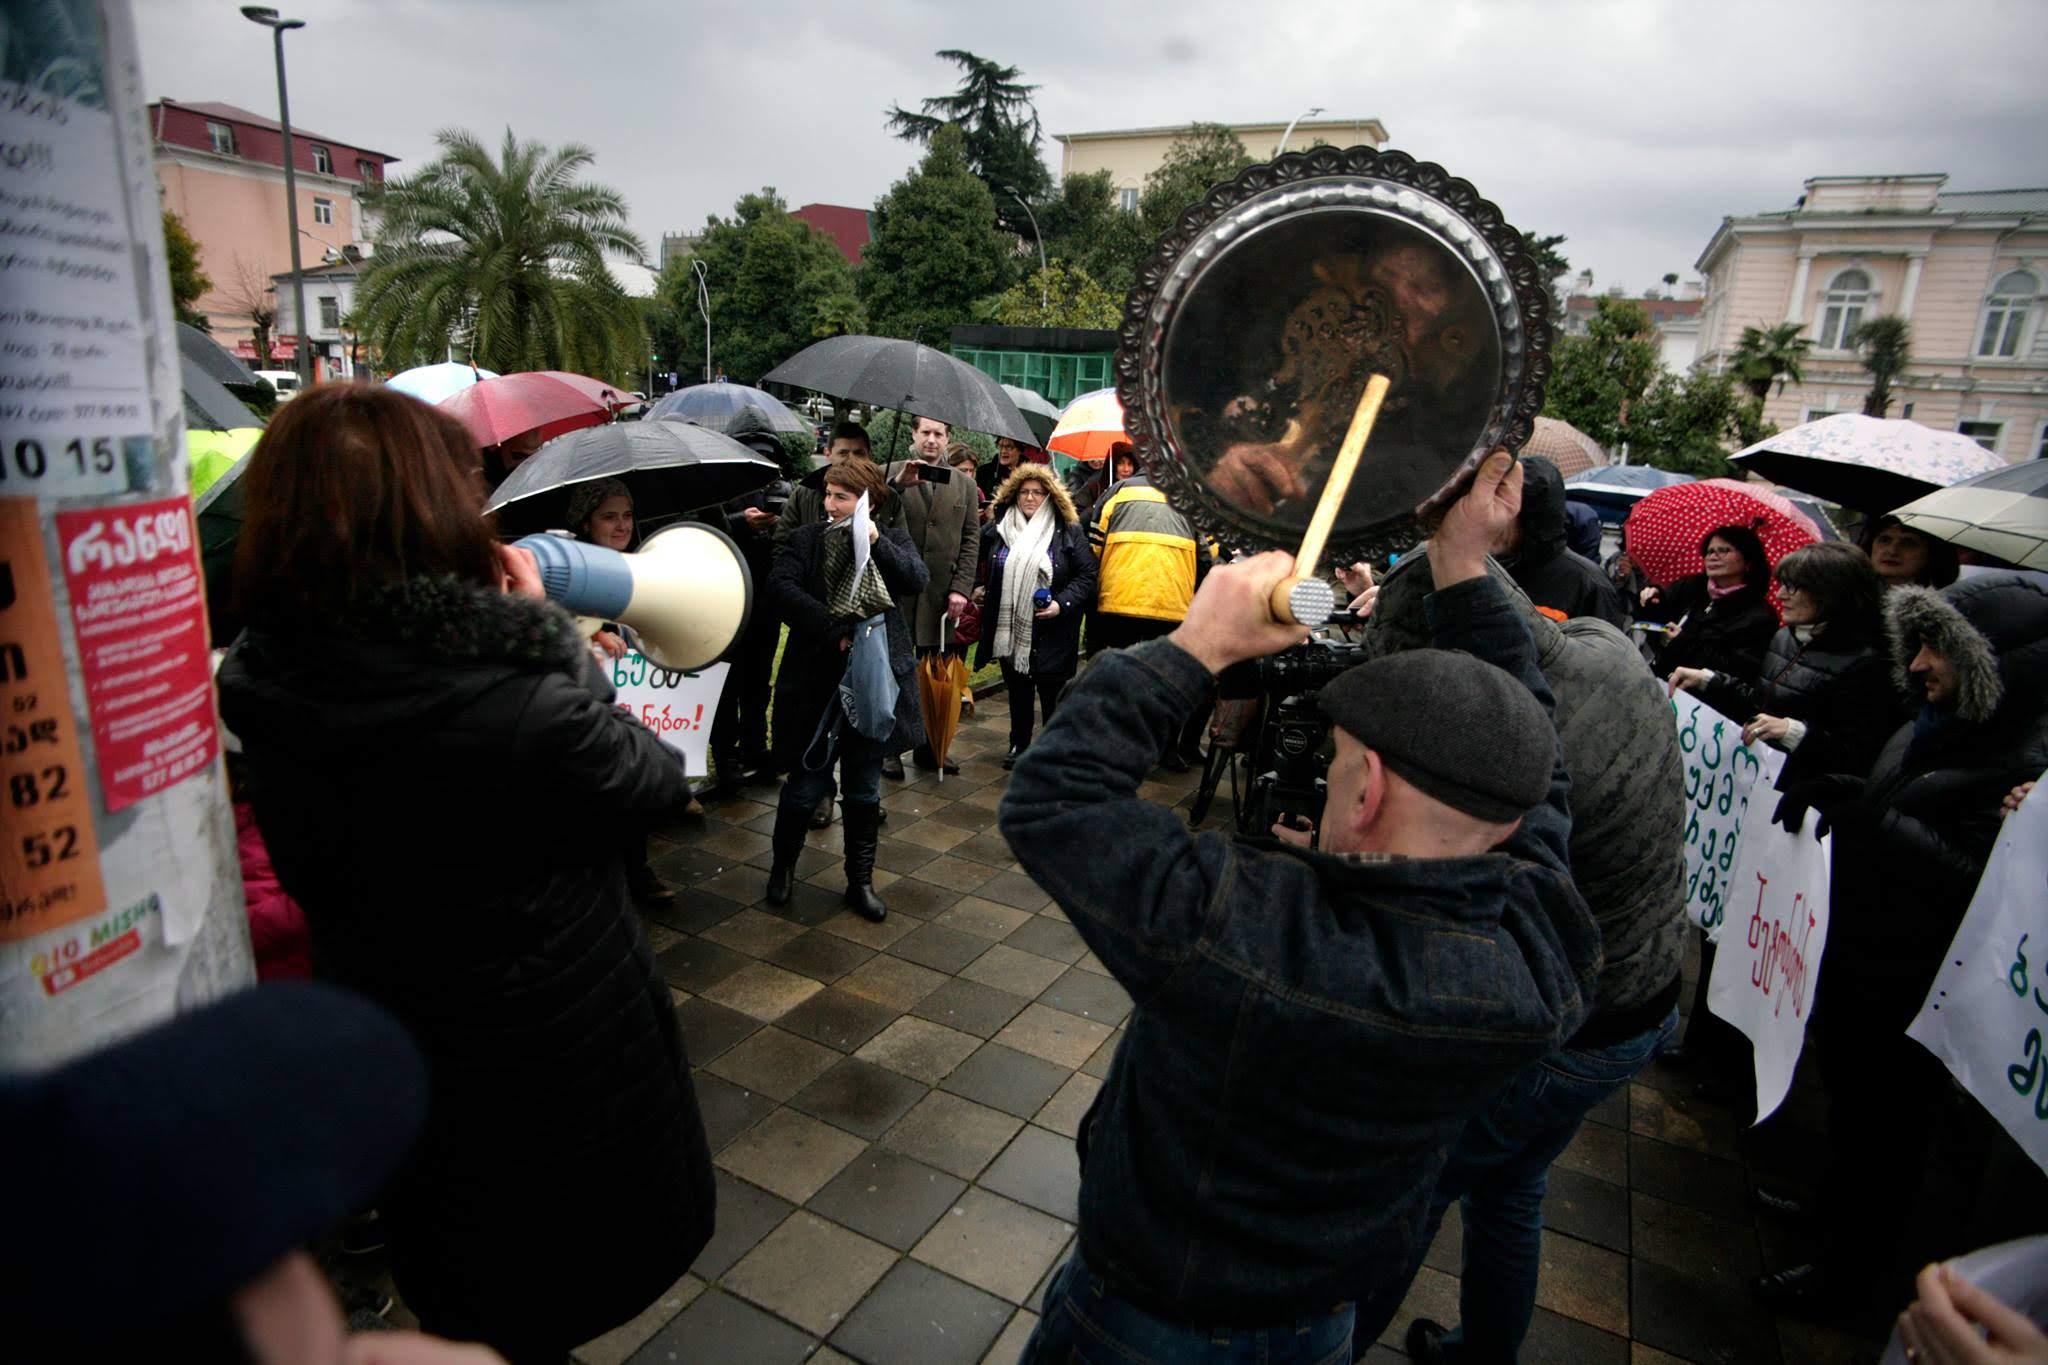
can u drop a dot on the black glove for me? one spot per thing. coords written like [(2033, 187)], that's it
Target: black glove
[(1834, 796)]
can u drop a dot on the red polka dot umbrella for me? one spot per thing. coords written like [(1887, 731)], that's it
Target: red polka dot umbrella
[(1664, 530)]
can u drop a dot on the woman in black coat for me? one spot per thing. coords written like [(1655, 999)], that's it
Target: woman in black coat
[(443, 781), (1724, 616), (812, 589), (1034, 542)]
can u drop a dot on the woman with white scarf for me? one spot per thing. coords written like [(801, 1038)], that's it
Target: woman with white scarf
[(1038, 575)]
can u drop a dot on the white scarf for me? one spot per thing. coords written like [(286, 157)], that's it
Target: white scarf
[(1027, 569)]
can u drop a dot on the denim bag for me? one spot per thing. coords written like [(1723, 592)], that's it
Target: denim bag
[(868, 690)]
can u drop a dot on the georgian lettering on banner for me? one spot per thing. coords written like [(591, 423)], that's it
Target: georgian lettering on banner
[(1720, 774), (677, 706)]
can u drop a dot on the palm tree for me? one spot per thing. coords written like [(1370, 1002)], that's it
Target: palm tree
[(1763, 358), (505, 257), (1886, 344)]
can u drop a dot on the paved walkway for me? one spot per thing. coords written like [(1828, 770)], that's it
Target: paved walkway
[(892, 1108)]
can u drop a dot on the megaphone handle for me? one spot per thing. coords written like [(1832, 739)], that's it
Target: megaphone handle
[(1309, 556)]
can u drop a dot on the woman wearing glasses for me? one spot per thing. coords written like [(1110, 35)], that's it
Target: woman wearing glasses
[(1722, 618)]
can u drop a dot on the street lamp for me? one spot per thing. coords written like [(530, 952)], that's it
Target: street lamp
[(1309, 113), (704, 307), (302, 353), (1040, 237)]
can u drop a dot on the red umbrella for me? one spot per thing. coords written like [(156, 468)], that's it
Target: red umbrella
[(547, 401), (1664, 530)]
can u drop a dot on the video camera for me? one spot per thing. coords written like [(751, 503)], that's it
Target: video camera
[(1280, 772)]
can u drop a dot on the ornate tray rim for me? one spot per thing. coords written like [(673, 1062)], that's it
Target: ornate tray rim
[(1141, 343)]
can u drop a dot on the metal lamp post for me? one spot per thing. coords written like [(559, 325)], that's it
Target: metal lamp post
[(704, 307), (1310, 112), (302, 351), (1040, 237)]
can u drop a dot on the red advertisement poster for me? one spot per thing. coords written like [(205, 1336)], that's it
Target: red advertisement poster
[(139, 612)]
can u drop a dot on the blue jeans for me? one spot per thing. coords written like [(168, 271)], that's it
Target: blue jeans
[(1087, 1324), (860, 772), (1499, 1170)]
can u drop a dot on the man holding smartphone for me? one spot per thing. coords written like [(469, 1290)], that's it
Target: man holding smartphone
[(940, 512)]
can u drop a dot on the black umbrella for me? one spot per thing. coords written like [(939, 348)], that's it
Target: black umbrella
[(1038, 411), (671, 467), (207, 401), (890, 373), (222, 365), (730, 408)]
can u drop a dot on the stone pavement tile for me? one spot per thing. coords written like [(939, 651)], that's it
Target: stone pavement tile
[(831, 878), (1639, 1354), (984, 919), (660, 938), (740, 883), (857, 929), (989, 847), (961, 815), (1612, 1111), (1040, 1169), (720, 1327), (970, 1007), (753, 933), (809, 1271), (888, 1197), (684, 866), (891, 981), (1048, 937), (820, 956), (1597, 1151), (838, 1019), (709, 1029), (694, 911), (1700, 1245), (1558, 1340), (1447, 1249), (774, 1063), (988, 798), (1009, 1347), (917, 1314), (1098, 1064), (951, 1133), (1015, 889), (618, 1345), (763, 991), (1036, 1303), (1433, 1295), (993, 1243), (1696, 1320), (812, 904), (729, 1109), (925, 900), (732, 843), (859, 1096), (1583, 1281), (1687, 1177), (919, 1048), (809, 861), (737, 810), (746, 1214), (956, 874), (932, 835), (900, 857), (790, 1154), (1813, 1343), (940, 948), (1088, 995), (1589, 1209), (695, 964), (832, 838), (1013, 970), (1683, 1122), (1064, 1039), (912, 805), (1089, 962), (1003, 1078), (1065, 1110)]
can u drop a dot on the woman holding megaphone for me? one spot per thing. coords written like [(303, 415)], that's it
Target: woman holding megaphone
[(846, 636), (442, 778)]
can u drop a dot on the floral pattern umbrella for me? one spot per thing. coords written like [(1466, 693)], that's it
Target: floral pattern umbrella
[(1664, 530), (1871, 464)]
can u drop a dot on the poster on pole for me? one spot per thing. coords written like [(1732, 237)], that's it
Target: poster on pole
[(678, 706), (1986, 1016), (1720, 774), (1768, 965)]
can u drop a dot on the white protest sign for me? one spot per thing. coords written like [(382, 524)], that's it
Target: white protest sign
[(678, 707), (1720, 773), (1986, 1015), (1766, 970)]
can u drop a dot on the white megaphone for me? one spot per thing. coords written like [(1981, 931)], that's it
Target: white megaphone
[(686, 591)]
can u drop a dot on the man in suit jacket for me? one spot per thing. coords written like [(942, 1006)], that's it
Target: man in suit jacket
[(943, 524)]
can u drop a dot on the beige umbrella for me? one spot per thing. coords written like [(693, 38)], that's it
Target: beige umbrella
[(1564, 445)]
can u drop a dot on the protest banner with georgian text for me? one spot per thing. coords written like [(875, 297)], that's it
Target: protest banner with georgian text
[(1720, 773), (679, 707)]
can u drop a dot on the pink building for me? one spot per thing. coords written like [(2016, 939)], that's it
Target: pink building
[(1967, 270), (221, 170)]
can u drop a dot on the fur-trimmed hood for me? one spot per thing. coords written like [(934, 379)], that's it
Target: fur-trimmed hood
[(1006, 492), (1993, 628)]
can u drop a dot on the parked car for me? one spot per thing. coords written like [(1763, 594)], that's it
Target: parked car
[(286, 382)]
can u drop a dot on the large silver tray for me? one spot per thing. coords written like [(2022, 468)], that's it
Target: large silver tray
[(1253, 329)]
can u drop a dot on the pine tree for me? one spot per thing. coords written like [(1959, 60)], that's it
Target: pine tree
[(936, 247)]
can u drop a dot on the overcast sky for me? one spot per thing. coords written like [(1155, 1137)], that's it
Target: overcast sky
[(1631, 126)]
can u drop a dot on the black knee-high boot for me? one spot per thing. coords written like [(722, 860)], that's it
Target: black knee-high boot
[(862, 827), (791, 820)]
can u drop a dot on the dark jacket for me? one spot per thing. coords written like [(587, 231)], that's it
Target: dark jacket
[(447, 790), (1311, 1031), (1839, 686), (1055, 644), (1544, 567), (807, 684), (944, 523), (1727, 634), (1912, 838), (1628, 790), (806, 505)]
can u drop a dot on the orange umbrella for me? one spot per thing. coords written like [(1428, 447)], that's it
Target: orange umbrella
[(1089, 426), (941, 679)]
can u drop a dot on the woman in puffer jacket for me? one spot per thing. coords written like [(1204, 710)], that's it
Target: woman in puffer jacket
[(1034, 543)]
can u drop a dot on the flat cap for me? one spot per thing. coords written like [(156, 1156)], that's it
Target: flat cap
[(1451, 724)]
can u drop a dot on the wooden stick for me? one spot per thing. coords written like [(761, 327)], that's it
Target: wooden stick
[(1324, 520)]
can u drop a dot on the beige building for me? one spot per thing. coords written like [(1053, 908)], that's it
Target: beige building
[(1131, 154), (1967, 270)]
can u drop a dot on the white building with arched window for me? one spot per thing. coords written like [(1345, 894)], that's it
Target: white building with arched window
[(1967, 270)]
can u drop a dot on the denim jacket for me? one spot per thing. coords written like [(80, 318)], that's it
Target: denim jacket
[(1310, 1030)]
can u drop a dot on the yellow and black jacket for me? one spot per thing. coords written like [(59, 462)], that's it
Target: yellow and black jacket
[(1149, 557)]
